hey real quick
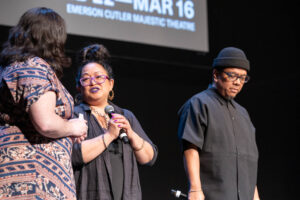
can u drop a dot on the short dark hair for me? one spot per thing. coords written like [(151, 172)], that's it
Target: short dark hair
[(95, 53), (40, 32)]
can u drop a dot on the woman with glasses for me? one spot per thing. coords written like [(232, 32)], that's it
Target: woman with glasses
[(105, 167)]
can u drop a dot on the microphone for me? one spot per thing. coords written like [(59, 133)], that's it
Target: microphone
[(178, 194), (122, 135)]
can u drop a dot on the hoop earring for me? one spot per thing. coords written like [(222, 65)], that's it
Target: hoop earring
[(111, 95)]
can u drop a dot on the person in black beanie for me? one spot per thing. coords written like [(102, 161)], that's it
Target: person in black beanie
[(218, 137)]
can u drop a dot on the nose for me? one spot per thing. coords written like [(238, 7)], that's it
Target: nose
[(93, 81), (238, 81)]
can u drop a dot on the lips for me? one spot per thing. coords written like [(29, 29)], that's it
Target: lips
[(234, 90), (94, 89)]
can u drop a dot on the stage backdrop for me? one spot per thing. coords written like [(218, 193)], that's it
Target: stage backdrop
[(170, 23)]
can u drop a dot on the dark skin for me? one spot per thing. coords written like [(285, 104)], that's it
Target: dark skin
[(228, 89)]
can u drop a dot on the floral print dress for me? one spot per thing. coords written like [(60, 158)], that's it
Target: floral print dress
[(32, 166)]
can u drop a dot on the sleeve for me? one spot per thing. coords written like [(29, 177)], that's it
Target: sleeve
[(192, 122), (77, 160), (28, 83), (136, 126)]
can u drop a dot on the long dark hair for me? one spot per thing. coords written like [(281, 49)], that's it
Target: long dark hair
[(40, 32)]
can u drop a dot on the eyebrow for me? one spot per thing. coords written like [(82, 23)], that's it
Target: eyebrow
[(86, 73), (237, 73)]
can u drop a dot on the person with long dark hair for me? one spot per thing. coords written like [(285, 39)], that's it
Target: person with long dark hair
[(106, 168), (36, 129)]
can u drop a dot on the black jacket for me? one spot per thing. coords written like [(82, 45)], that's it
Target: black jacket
[(93, 179)]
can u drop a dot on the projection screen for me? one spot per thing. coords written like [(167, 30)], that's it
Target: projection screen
[(169, 23)]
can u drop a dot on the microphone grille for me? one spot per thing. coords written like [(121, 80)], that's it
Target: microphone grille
[(109, 109)]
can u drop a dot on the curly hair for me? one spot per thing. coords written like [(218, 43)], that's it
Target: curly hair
[(95, 53), (40, 32)]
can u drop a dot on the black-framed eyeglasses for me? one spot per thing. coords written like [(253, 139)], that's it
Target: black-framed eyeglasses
[(233, 77), (99, 79)]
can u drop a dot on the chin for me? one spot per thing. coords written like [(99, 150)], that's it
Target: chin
[(230, 97)]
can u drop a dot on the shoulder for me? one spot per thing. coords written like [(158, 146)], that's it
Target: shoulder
[(39, 64), (128, 113), (195, 101), (80, 108), (32, 66), (29, 71), (203, 97)]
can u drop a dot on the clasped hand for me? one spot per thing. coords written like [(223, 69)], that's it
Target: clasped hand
[(79, 129), (118, 122)]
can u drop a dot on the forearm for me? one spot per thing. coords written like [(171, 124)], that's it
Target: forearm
[(256, 195), (92, 148), (142, 149), (192, 167), (52, 126), (48, 123)]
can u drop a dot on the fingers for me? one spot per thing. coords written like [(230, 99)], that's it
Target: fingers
[(84, 129), (79, 139), (78, 127), (121, 121), (84, 126), (78, 120), (117, 116)]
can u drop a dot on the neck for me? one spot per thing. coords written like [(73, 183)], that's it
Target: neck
[(213, 85), (98, 106)]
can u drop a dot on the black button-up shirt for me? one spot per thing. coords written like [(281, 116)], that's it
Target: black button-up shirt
[(225, 136)]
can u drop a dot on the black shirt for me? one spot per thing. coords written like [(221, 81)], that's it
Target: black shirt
[(114, 168), (225, 136)]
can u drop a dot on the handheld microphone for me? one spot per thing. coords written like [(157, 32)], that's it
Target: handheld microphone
[(123, 135), (178, 194)]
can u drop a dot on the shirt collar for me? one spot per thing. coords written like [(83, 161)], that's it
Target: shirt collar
[(85, 107), (220, 98)]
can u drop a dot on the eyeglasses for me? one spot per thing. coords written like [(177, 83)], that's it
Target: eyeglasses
[(233, 77), (99, 79)]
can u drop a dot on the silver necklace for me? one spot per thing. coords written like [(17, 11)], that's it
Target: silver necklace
[(101, 115)]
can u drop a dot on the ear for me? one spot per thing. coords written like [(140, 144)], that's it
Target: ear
[(215, 75), (111, 82)]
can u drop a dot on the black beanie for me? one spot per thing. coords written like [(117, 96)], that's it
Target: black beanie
[(231, 57)]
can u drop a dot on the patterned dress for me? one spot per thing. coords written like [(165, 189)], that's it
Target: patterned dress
[(32, 166)]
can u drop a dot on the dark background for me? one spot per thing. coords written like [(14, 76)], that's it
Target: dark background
[(154, 82)]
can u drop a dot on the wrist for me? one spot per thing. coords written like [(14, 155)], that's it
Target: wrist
[(195, 190), (108, 138), (139, 147), (68, 129), (195, 187), (131, 135)]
